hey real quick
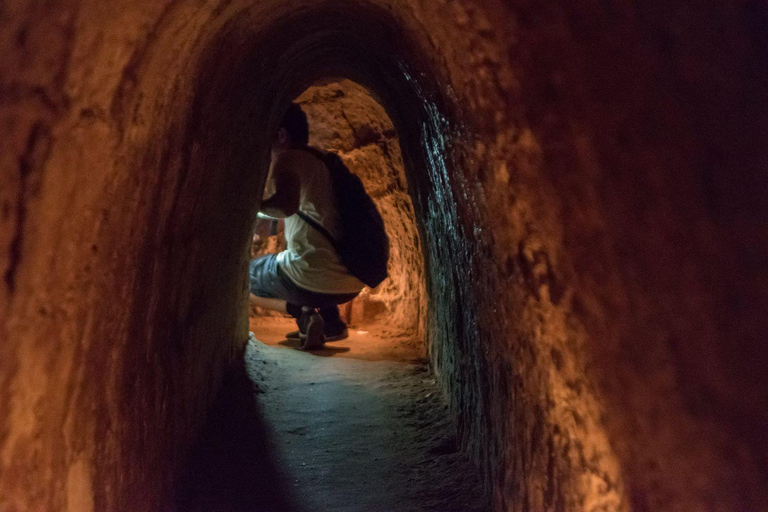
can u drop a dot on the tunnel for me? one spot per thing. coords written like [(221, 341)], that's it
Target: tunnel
[(588, 183)]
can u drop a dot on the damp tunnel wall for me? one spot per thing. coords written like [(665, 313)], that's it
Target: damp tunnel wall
[(589, 185)]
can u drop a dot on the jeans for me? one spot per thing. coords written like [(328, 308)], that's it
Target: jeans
[(266, 280)]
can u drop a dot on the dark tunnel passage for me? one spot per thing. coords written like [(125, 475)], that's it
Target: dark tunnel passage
[(588, 182)]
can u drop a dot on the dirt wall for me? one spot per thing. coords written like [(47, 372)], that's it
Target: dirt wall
[(587, 178)]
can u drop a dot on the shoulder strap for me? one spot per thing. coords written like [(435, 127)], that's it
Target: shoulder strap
[(312, 222)]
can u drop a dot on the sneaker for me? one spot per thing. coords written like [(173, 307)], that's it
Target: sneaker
[(314, 338), (338, 335)]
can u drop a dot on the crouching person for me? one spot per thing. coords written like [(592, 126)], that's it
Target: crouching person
[(310, 278)]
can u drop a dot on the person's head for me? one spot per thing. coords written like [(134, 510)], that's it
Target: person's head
[(293, 130)]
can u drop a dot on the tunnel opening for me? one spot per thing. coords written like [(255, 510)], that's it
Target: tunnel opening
[(304, 50), (209, 151), (391, 323), (388, 321)]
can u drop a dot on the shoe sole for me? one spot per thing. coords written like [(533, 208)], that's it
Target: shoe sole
[(338, 337), (300, 337)]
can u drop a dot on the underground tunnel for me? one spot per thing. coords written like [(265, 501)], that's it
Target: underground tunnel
[(588, 192)]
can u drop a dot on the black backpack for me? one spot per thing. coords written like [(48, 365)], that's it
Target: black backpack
[(363, 246)]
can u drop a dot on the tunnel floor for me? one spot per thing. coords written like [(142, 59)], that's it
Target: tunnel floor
[(297, 431), (371, 341)]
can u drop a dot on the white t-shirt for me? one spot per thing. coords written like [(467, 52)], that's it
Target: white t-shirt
[(310, 260)]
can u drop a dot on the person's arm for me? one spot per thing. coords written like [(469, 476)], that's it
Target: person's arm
[(285, 201)]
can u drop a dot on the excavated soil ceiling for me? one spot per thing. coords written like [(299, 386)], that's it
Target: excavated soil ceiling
[(588, 184)]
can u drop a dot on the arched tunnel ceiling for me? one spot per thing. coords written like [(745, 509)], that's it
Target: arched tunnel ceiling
[(590, 185)]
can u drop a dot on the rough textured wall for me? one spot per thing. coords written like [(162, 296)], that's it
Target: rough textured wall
[(121, 299), (589, 182), (344, 118)]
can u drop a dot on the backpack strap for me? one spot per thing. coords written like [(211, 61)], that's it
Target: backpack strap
[(319, 227)]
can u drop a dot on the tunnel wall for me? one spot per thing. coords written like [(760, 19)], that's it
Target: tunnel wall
[(114, 338), (590, 187)]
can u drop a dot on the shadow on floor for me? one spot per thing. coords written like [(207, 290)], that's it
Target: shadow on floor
[(327, 350), (233, 468)]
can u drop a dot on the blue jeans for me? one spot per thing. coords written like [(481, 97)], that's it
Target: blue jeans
[(269, 282)]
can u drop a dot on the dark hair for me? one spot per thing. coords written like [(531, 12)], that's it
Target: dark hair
[(295, 123)]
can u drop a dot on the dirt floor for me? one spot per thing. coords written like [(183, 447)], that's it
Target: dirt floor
[(367, 342), (358, 426)]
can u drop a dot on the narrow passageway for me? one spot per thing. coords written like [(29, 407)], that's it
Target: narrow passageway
[(361, 424), (576, 198), (344, 434)]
